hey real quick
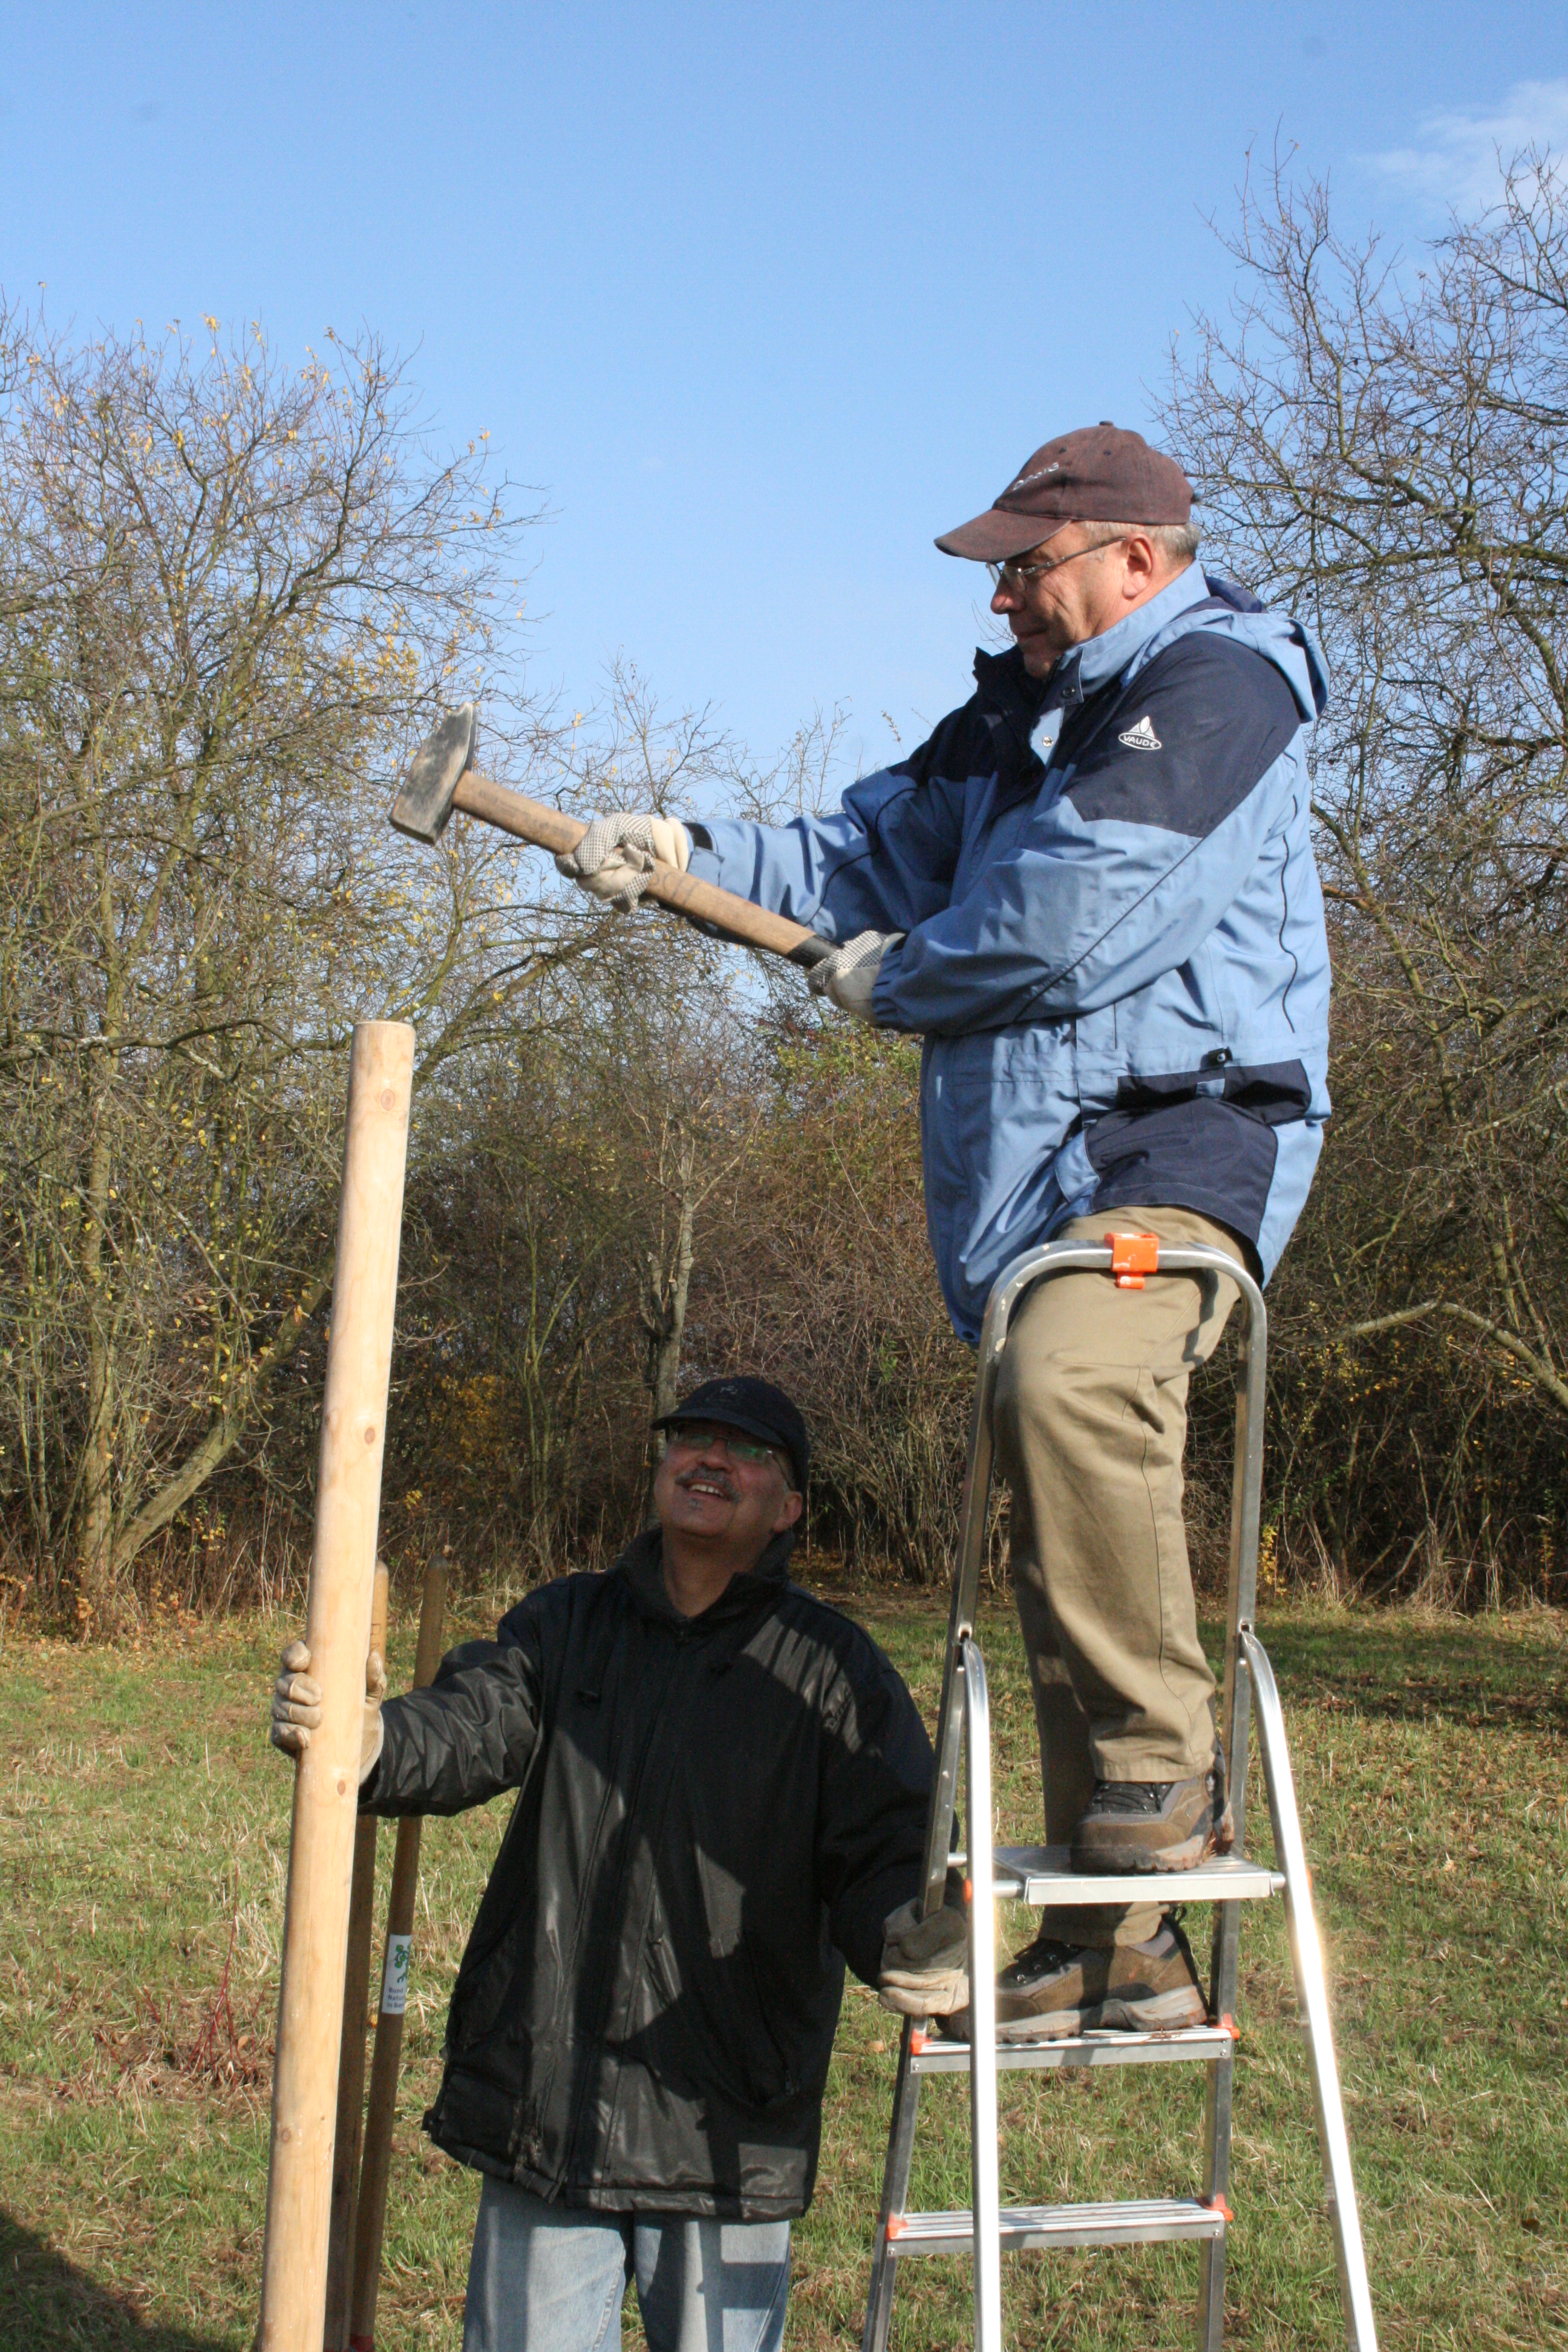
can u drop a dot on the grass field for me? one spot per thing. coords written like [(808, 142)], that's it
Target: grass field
[(143, 1837)]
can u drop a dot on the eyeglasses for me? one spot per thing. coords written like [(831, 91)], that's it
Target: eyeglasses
[(1015, 577), (698, 1435)]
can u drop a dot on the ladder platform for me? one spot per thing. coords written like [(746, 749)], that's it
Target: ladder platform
[(1138, 2221), (930, 2055), (1043, 1878)]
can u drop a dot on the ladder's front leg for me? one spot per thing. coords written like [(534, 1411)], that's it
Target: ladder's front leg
[(1312, 1991), (985, 2194), (1221, 2086)]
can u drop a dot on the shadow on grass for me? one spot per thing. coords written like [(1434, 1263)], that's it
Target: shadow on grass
[(1375, 1666), (46, 2304)]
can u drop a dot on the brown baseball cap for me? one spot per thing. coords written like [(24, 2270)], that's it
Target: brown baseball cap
[(1098, 474)]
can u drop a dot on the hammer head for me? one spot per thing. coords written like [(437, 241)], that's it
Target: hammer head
[(423, 800)]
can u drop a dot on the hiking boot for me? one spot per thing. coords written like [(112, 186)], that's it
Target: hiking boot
[(1154, 1824), (1053, 1989)]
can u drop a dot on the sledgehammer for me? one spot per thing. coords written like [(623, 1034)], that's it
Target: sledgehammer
[(441, 777)]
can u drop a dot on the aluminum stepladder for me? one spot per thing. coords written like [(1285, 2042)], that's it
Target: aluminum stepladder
[(1042, 1877)]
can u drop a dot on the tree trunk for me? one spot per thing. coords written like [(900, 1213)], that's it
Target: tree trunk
[(667, 1323), (665, 1293), (95, 1561), (225, 1432)]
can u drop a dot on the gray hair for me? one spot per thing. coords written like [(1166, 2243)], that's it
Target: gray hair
[(1176, 542)]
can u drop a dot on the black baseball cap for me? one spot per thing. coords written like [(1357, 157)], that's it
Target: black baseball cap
[(754, 1407), (1101, 473)]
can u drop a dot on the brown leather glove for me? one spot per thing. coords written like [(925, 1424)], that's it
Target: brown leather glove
[(925, 1962)]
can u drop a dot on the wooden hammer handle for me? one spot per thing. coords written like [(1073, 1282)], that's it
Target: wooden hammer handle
[(683, 894)]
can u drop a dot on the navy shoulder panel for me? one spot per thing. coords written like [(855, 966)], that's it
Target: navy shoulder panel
[(961, 747), (987, 735), (1183, 744)]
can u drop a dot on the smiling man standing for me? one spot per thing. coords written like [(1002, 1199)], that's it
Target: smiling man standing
[(1092, 894), (722, 1794)]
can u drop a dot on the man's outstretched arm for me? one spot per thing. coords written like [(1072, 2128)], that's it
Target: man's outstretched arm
[(882, 861), (459, 1743)]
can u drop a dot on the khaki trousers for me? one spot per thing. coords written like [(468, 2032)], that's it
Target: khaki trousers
[(1090, 1423)]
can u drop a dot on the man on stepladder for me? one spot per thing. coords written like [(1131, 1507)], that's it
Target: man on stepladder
[(1092, 893), (722, 1794)]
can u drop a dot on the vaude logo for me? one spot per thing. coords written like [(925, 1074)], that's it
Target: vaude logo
[(1142, 737)]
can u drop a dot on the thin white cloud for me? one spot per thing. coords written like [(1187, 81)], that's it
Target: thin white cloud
[(1456, 160)]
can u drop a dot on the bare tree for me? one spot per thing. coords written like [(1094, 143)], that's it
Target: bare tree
[(231, 595), (1378, 444)]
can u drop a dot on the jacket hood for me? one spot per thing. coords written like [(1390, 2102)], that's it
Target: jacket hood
[(642, 1565), (1292, 648)]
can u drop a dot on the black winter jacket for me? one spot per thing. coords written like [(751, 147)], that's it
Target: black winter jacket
[(710, 1811)]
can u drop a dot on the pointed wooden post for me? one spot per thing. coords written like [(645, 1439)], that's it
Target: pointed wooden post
[(337, 1631)]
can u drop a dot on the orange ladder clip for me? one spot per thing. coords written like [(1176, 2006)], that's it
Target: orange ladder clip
[(1132, 1256)]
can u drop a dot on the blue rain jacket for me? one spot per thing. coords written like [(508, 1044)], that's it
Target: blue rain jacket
[(1115, 949)]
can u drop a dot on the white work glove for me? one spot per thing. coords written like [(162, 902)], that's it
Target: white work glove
[(297, 1705), (617, 854), (849, 974), (925, 1962)]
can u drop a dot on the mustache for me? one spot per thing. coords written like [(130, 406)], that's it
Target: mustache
[(709, 1478)]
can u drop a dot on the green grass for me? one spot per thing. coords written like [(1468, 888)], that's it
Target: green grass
[(142, 1843)]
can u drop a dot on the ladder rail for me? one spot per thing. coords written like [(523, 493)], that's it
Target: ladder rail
[(1311, 1986), (895, 2193), (1234, 1723)]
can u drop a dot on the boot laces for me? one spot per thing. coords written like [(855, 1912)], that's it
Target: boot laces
[(1132, 1796), (1045, 1956)]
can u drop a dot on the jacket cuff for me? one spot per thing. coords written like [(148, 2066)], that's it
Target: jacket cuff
[(884, 990), (373, 1782), (721, 853)]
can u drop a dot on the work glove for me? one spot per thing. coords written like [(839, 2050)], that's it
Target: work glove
[(617, 854), (849, 974), (925, 1962), (297, 1705)]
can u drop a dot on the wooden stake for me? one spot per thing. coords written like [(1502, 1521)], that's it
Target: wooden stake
[(347, 2133), (389, 2023), (337, 1629)]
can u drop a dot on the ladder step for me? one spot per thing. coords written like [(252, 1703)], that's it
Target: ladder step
[(928, 2055), (1142, 2221), (1042, 1876)]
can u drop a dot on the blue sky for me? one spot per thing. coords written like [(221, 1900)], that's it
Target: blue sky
[(759, 298)]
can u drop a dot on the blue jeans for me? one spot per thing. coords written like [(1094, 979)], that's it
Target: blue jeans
[(544, 2278)]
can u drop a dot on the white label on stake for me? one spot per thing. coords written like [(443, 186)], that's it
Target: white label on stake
[(394, 1981)]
